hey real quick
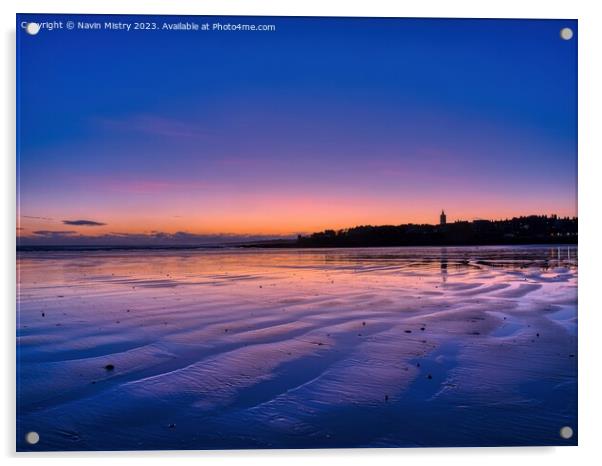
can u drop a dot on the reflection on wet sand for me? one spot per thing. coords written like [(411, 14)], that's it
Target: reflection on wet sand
[(443, 265), (297, 348)]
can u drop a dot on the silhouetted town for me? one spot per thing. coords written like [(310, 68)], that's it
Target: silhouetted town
[(532, 229)]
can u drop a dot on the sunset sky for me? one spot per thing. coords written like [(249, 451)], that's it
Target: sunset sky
[(324, 123)]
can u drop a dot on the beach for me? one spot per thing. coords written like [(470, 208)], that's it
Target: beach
[(297, 348)]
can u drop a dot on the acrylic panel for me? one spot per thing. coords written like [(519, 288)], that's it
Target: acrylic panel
[(294, 232)]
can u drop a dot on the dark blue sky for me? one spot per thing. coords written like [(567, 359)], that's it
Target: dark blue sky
[(321, 123)]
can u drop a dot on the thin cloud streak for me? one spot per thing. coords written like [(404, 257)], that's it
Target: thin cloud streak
[(36, 218), (153, 125), (83, 223), (155, 238), (54, 233)]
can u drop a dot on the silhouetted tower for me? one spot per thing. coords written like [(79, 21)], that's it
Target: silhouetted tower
[(442, 218)]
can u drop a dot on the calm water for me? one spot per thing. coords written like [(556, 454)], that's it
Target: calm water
[(203, 349)]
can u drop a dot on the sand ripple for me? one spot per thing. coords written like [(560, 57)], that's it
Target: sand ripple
[(296, 348)]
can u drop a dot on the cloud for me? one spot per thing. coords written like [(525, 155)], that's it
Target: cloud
[(37, 218), (54, 233), (151, 239), (154, 125), (83, 223)]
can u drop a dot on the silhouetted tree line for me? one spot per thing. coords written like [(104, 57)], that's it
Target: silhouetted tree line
[(519, 230)]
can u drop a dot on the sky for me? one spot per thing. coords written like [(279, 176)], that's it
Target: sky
[(322, 123)]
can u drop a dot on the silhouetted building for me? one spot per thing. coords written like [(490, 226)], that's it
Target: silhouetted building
[(442, 218)]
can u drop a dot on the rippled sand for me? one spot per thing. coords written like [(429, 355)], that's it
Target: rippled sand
[(297, 348)]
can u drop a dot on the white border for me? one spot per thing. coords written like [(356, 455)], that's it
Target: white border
[(590, 213)]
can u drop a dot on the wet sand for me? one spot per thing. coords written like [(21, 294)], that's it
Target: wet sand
[(204, 349)]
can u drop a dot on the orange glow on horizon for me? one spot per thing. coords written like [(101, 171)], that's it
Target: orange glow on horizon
[(300, 218)]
